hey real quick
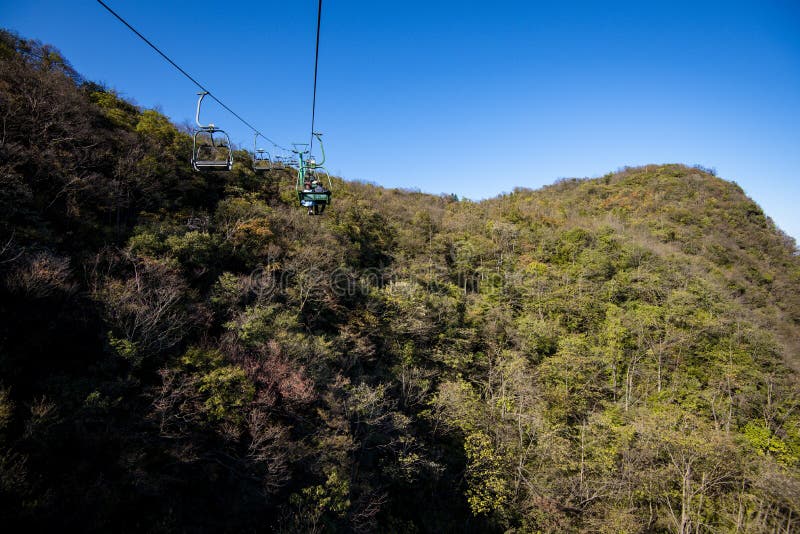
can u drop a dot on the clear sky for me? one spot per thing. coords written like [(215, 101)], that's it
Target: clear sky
[(472, 98)]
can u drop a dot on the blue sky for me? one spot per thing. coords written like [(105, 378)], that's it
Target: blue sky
[(472, 98)]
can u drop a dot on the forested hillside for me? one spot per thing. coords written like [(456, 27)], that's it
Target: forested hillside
[(192, 352)]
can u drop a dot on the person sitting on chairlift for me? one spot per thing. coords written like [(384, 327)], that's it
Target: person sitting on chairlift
[(319, 207), (308, 203)]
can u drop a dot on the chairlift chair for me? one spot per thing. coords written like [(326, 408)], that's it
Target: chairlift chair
[(308, 169), (211, 147), (262, 161), (286, 161)]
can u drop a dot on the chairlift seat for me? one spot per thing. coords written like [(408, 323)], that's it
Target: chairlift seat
[(315, 197), (213, 164)]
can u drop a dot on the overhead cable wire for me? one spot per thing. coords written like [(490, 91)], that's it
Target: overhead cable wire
[(198, 84), (316, 64)]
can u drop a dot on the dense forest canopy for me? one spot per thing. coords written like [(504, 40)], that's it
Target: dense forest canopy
[(186, 351)]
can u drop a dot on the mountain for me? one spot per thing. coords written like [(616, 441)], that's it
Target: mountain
[(186, 351)]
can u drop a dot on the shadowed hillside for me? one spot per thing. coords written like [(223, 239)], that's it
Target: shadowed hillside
[(192, 352)]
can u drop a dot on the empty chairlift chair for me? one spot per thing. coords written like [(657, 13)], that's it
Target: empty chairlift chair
[(262, 161), (211, 149)]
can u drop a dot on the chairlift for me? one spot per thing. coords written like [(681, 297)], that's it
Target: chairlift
[(280, 161), (262, 161), (309, 170), (211, 149)]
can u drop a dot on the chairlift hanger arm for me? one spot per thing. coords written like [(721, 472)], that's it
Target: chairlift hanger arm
[(209, 126), (321, 148), (301, 167)]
